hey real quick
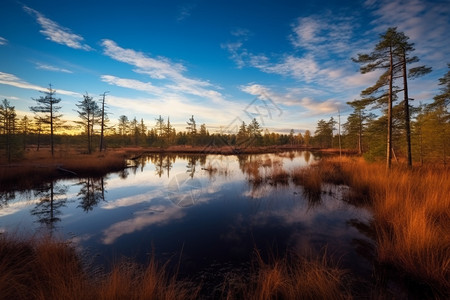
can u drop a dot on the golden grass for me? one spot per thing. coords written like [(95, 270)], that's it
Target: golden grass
[(411, 211), (311, 180), (47, 269)]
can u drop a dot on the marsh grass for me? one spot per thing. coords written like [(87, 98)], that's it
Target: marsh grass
[(48, 269), (411, 214), (38, 167), (310, 178), (292, 277)]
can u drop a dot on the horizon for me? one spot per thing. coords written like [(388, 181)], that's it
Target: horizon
[(285, 63)]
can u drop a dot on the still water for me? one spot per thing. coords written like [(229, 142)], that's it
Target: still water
[(206, 212)]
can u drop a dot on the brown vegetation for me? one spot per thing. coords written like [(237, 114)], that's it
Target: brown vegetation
[(47, 269), (39, 166), (294, 277), (411, 212)]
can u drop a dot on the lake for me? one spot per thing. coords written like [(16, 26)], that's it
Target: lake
[(207, 213)]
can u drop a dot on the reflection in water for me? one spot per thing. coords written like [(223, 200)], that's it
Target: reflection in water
[(163, 163), (5, 197), (307, 156), (218, 208), (51, 200), (91, 193), (192, 162)]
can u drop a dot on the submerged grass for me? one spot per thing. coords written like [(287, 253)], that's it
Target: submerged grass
[(411, 212)]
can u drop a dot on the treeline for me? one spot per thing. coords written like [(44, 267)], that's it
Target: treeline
[(47, 129), (383, 122)]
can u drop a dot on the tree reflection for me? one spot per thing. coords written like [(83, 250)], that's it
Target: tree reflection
[(192, 162), (51, 199), (307, 156), (92, 192), (163, 163), (5, 197)]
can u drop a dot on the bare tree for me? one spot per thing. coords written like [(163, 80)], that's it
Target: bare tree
[(102, 124)]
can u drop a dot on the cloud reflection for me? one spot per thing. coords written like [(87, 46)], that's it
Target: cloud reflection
[(154, 215)]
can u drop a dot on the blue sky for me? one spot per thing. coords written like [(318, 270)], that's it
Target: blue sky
[(287, 63)]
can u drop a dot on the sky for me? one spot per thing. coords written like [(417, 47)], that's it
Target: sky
[(286, 63)]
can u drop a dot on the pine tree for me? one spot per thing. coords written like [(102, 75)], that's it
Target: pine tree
[(46, 111)]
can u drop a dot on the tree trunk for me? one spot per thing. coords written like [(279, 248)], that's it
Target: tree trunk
[(389, 115), (51, 125), (407, 119)]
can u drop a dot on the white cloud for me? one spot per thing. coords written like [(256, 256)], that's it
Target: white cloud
[(162, 68), (3, 41), (324, 35), (294, 97), (12, 80), (132, 84), (46, 67), (154, 216), (177, 107), (9, 97), (425, 22), (56, 33)]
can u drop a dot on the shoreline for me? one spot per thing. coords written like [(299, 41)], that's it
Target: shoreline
[(38, 167)]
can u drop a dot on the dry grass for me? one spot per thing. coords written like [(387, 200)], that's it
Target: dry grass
[(411, 211), (310, 178), (46, 269), (295, 277), (38, 167)]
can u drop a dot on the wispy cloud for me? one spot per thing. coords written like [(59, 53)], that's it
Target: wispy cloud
[(46, 67), (185, 11), (152, 216), (3, 41), (177, 107), (161, 68), (56, 33), (427, 23), (294, 97), (12, 80), (9, 97), (323, 34), (240, 32), (132, 84)]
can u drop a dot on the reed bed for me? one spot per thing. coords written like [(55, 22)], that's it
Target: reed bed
[(411, 212), (48, 269)]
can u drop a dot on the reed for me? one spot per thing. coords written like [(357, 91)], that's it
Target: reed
[(293, 277), (48, 269), (411, 212), (311, 179)]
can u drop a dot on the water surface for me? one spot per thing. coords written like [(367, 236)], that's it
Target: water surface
[(208, 212)]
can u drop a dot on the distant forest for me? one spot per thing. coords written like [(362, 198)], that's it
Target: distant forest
[(383, 123)]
